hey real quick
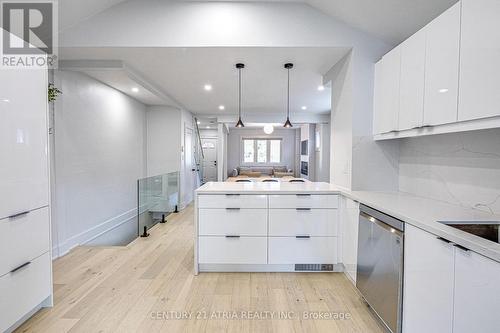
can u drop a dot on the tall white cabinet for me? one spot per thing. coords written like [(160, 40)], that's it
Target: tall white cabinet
[(25, 260)]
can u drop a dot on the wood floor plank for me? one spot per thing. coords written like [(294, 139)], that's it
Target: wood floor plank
[(149, 286)]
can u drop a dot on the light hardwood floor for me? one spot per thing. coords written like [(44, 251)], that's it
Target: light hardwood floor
[(140, 287)]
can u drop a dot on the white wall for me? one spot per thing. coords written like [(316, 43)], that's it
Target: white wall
[(236, 135), (164, 140), (100, 153), (461, 168)]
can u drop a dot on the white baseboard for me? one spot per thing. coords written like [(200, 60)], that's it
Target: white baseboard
[(84, 237)]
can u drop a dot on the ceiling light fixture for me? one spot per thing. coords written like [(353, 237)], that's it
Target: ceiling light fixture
[(268, 128), (444, 90), (321, 87), (239, 66), (198, 122), (135, 89), (207, 87), (304, 107), (288, 124), (222, 107)]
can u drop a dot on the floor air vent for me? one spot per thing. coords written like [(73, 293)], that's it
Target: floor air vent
[(314, 267)]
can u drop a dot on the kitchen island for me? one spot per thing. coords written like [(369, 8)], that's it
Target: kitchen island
[(267, 227)]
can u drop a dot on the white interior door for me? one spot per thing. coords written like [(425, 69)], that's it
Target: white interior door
[(209, 159)]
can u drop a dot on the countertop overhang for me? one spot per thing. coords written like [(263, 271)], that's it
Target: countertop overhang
[(423, 213)]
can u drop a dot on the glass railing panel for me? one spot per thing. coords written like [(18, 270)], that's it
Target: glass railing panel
[(157, 197)]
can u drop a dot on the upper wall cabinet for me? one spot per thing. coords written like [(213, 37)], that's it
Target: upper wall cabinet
[(449, 74), (441, 68), (411, 92), (480, 60), (386, 102)]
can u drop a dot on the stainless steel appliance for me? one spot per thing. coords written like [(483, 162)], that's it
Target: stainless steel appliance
[(380, 265)]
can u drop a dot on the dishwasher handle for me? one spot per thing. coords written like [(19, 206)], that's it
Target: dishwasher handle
[(379, 223)]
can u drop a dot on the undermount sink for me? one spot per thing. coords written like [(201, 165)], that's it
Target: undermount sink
[(489, 230)]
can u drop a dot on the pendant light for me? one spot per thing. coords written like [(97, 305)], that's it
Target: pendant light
[(288, 124), (239, 66)]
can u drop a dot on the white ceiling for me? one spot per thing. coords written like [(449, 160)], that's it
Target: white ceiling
[(181, 74), (391, 20)]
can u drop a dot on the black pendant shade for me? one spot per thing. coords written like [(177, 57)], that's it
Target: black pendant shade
[(288, 124), (239, 66)]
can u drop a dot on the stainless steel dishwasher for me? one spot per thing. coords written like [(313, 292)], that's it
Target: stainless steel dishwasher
[(380, 265)]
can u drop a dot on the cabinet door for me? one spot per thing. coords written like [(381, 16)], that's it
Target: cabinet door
[(441, 68), (477, 293), (479, 60), (411, 97), (350, 216), (387, 78), (428, 283), (23, 141)]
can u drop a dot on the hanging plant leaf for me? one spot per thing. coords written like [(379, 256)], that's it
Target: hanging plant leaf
[(53, 92)]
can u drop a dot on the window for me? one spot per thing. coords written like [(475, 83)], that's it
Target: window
[(261, 151)]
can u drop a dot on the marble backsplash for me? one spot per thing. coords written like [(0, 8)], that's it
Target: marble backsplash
[(460, 168)]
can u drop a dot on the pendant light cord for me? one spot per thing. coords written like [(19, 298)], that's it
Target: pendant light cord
[(288, 96), (239, 92)]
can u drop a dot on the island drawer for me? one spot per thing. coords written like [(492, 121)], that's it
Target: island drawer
[(232, 250), (303, 221), (330, 201), (241, 222), (232, 201), (293, 250)]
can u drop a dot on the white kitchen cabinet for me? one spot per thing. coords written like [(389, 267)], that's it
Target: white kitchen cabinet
[(232, 201), (15, 249), (23, 141), (23, 290), (349, 236), (479, 60), (386, 99), (441, 68), (411, 93), (306, 250), (303, 201), (477, 293), (232, 250), (240, 222), (312, 222), (428, 282)]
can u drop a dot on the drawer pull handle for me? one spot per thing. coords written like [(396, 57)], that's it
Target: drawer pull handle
[(20, 267), (302, 237), (303, 209), (232, 208), (443, 240), (232, 195), (19, 214), (461, 247), (303, 195), (232, 236)]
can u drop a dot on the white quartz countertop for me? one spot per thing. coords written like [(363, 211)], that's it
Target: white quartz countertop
[(420, 212)]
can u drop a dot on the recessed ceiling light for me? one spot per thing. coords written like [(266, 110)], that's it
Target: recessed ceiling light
[(207, 87), (198, 122), (135, 89), (321, 87), (222, 107), (5, 100), (444, 90), (304, 107)]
